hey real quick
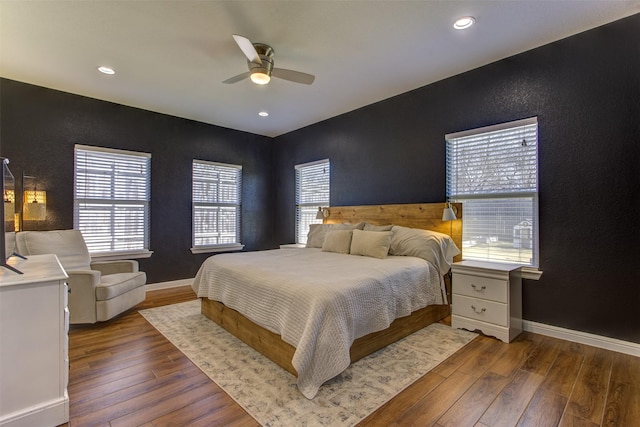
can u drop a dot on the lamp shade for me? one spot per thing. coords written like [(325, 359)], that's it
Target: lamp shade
[(35, 205), (448, 214), (319, 214), (9, 205)]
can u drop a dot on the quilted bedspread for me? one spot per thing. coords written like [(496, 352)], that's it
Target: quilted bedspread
[(319, 302)]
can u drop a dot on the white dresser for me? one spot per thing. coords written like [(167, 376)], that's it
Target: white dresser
[(34, 355), (487, 297)]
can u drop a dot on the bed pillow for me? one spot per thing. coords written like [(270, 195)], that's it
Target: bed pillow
[(318, 232), (316, 235), (372, 227), (337, 241), (437, 248), (348, 226), (370, 243)]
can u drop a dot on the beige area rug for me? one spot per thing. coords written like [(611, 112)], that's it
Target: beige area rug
[(269, 393)]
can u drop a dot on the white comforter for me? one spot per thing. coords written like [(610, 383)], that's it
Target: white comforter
[(319, 302)]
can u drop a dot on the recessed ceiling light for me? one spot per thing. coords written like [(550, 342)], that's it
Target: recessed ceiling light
[(106, 70), (263, 114), (464, 22)]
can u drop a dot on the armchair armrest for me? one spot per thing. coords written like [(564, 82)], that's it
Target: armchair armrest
[(113, 267), (82, 295)]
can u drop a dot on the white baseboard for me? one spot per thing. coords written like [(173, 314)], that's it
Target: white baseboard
[(607, 343), (167, 285)]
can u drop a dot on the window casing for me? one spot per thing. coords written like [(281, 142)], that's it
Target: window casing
[(312, 192), (217, 207), (111, 200), (493, 172)]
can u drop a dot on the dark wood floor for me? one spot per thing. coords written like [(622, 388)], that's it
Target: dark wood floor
[(125, 373)]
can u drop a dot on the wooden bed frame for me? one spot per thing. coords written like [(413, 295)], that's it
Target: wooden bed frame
[(425, 216)]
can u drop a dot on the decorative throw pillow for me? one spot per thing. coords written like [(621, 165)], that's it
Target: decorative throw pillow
[(372, 227), (337, 241), (370, 243)]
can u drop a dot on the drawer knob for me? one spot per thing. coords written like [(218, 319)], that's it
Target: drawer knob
[(475, 310), (475, 288)]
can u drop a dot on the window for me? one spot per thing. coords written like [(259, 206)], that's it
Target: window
[(312, 192), (493, 172), (216, 191), (111, 200)]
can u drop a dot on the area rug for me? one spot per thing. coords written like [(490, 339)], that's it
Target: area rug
[(269, 393)]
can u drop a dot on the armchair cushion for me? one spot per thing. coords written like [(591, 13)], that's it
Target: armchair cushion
[(112, 285), (112, 267), (68, 245)]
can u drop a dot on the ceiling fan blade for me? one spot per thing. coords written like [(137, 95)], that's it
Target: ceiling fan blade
[(247, 48), (293, 76), (237, 78)]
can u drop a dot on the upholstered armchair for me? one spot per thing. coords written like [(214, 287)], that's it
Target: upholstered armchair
[(98, 291)]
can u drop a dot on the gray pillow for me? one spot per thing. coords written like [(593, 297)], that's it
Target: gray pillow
[(437, 248), (337, 241), (348, 226), (316, 235), (372, 227)]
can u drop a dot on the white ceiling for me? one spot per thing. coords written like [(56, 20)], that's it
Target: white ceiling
[(172, 56)]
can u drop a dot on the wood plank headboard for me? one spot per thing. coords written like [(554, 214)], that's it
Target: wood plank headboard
[(427, 216)]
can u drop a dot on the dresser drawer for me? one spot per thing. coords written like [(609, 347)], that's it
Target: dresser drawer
[(480, 287), (480, 309)]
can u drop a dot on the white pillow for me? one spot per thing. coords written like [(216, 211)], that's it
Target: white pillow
[(437, 248), (371, 243), (337, 241)]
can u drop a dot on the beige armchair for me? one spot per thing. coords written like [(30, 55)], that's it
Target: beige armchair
[(98, 290)]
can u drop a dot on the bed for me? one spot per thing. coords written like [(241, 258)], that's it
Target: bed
[(315, 310)]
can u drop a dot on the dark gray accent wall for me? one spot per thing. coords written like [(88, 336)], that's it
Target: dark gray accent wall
[(585, 91), (39, 128)]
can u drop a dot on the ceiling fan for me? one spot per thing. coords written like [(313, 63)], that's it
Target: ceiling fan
[(260, 61)]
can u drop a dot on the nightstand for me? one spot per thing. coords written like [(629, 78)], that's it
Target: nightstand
[(487, 297)]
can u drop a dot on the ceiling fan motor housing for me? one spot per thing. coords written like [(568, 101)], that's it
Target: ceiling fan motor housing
[(265, 52)]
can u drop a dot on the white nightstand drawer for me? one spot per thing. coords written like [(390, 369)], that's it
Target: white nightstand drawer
[(481, 287), (480, 309)]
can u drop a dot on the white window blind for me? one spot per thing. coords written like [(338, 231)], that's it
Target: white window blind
[(111, 199), (493, 171), (216, 192), (312, 192)]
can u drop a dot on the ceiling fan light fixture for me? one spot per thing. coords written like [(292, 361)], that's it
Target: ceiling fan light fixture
[(260, 78), (464, 22)]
